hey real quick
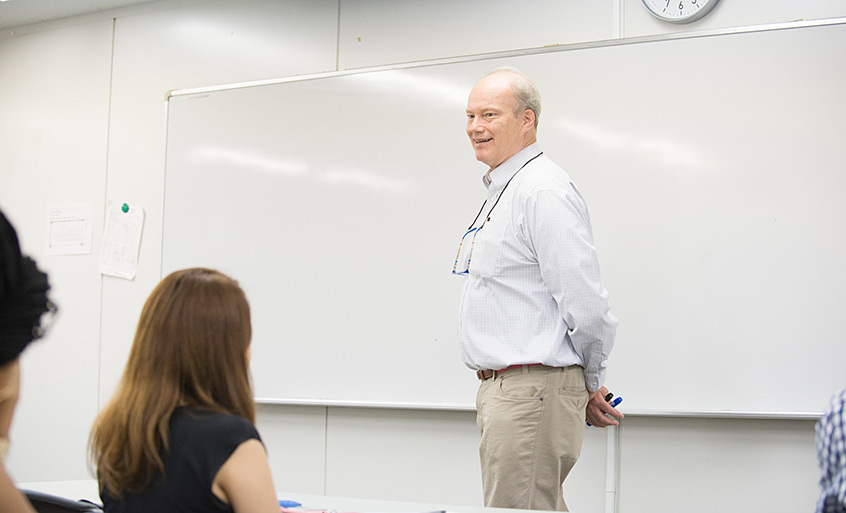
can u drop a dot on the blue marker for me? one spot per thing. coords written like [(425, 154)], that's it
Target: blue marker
[(613, 403), (289, 504)]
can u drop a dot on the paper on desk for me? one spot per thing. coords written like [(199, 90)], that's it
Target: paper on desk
[(121, 240), (69, 229)]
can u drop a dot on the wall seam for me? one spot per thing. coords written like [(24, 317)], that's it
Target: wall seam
[(326, 451), (105, 213), (338, 40)]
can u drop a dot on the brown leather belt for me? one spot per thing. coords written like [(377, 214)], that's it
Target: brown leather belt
[(488, 373)]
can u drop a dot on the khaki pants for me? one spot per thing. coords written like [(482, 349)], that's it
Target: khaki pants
[(532, 422)]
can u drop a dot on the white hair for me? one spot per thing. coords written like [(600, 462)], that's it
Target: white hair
[(525, 92)]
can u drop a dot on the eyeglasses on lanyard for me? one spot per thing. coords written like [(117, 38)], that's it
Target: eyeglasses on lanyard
[(475, 231)]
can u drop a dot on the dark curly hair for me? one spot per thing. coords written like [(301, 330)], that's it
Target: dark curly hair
[(23, 296)]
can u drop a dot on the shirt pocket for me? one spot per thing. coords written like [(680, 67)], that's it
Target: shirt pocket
[(487, 248)]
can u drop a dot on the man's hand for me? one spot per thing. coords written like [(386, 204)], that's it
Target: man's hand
[(598, 407)]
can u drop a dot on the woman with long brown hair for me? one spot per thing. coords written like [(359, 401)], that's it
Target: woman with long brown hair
[(179, 433)]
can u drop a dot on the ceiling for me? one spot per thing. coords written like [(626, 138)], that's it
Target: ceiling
[(18, 13)]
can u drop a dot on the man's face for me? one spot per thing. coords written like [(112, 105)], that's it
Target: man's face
[(495, 131)]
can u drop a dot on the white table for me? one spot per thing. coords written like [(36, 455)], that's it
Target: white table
[(87, 489)]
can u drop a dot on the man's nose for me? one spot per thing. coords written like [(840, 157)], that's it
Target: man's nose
[(473, 125)]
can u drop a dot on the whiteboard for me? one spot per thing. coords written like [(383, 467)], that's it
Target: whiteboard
[(713, 168)]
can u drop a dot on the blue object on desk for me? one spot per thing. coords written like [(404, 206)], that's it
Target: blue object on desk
[(289, 504)]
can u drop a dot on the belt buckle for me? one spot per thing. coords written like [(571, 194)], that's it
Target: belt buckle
[(485, 374)]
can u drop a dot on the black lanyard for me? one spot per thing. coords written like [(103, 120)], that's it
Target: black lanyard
[(498, 197)]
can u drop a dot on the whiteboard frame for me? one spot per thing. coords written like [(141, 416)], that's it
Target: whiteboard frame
[(770, 415), (516, 53)]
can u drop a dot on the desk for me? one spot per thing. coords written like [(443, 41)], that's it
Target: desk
[(87, 489), (346, 504)]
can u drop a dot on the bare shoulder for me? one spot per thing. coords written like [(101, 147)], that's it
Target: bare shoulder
[(244, 480)]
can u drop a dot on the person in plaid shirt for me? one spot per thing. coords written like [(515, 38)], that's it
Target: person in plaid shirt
[(831, 453)]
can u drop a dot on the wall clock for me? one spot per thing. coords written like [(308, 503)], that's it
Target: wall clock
[(679, 11)]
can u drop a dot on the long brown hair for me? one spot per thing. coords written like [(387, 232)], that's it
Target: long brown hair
[(189, 350)]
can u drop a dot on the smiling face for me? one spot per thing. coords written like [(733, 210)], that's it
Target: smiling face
[(496, 131)]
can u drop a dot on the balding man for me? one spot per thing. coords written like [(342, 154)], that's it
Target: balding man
[(535, 321)]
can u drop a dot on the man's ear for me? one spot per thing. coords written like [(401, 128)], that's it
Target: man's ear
[(528, 118)]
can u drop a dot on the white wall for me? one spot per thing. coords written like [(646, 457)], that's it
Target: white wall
[(54, 114), (82, 120)]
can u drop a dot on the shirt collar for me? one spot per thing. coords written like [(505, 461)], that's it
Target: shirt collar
[(495, 179)]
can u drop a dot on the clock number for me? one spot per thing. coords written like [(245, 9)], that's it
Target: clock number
[(681, 6)]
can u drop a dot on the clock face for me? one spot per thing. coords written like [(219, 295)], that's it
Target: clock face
[(679, 11)]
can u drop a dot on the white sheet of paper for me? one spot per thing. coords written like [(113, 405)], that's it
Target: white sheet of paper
[(69, 229), (121, 240)]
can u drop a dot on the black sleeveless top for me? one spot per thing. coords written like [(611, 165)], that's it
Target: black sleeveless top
[(200, 443)]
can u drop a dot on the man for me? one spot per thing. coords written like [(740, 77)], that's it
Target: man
[(535, 321)]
